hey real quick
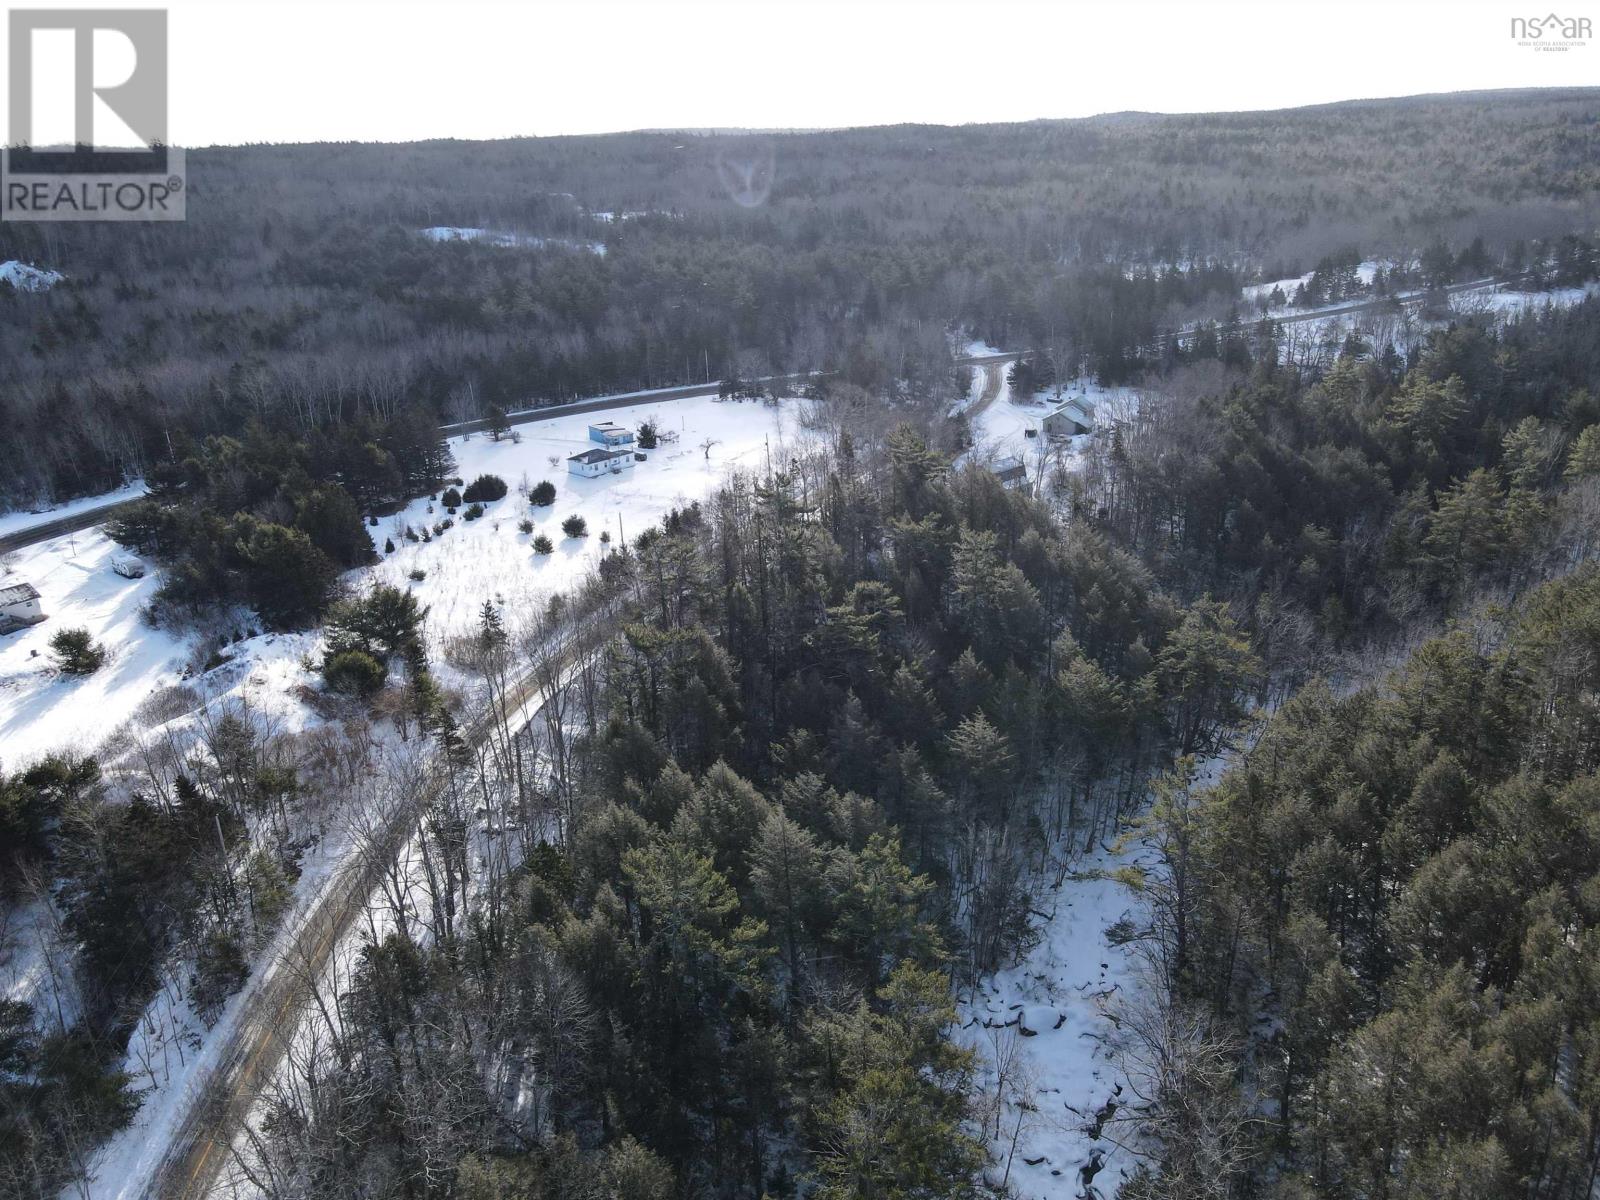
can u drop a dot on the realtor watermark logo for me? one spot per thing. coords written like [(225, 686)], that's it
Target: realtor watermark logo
[(1552, 32), (95, 148)]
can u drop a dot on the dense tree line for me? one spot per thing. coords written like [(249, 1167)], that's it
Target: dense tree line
[(268, 522), (300, 293), (1386, 902), (1381, 492), (1402, 882)]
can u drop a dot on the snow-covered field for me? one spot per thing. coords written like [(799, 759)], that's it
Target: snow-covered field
[(1254, 293), (500, 237), (1316, 340), (43, 710), (488, 559), (491, 559), (1512, 302)]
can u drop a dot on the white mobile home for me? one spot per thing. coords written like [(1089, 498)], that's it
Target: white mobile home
[(592, 464), (19, 607)]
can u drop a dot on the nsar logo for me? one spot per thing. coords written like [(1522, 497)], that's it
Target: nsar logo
[(1551, 32)]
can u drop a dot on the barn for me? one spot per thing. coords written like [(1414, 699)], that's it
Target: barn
[(19, 607), (1071, 418)]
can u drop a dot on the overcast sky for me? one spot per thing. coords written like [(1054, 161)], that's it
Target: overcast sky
[(374, 70)]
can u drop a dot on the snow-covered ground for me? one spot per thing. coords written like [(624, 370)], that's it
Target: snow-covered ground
[(492, 559), (488, 559), (1317, 340), (1513, 302), (501, 237), (1046, 1024), (43, 710), (33, 967), (16, 522), (1001, 428), (1253, 293), (1053, 1051), (25, 277)]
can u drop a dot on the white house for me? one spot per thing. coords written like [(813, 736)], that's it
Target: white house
[(1073, 417), (609, 433), (19, 607), (592, 464)]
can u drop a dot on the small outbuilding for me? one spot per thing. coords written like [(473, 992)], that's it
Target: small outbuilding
[(609, 433), (19, 607), (1010, 471), (592, 464), (1073, 417)]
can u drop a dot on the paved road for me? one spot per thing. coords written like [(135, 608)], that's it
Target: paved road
[(99, 516), (87, 519), (1411, 299)]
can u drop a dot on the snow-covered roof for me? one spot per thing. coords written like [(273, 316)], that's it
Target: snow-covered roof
[(598, 455), (1074, 405), (16, 593)]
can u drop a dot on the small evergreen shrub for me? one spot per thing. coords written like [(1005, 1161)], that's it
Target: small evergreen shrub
[(485, 488), (354, 673), (76, 652)]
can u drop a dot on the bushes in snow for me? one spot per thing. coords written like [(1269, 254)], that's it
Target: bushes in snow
[(543, 494), (485, 488), (542, 545), (575, 526), (451, 499), (354, 673)]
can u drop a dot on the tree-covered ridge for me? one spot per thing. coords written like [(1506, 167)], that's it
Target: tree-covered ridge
[(299, 290), (1402, 883), (848, 709), (1369, 497)]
